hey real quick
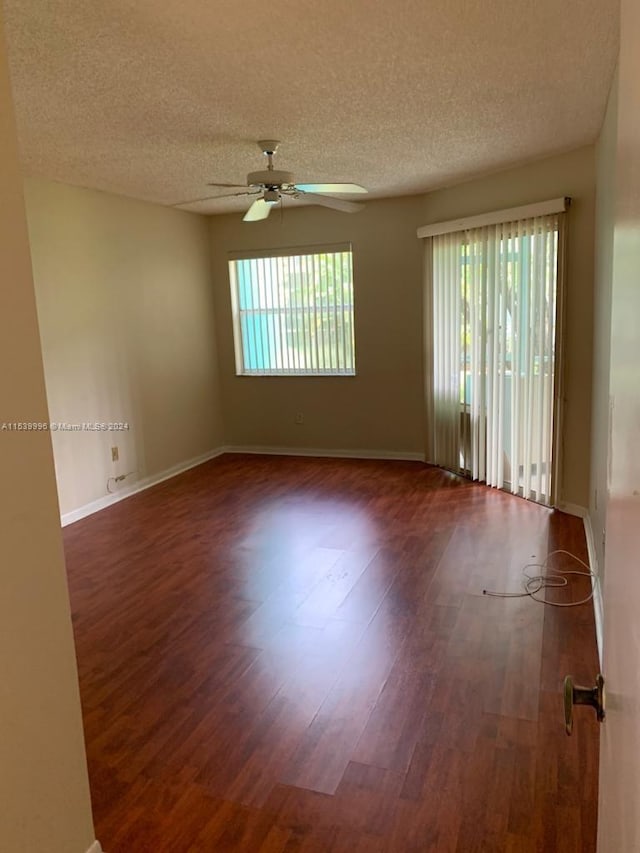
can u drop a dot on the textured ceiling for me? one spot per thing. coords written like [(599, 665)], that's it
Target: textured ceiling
[(153, 98)]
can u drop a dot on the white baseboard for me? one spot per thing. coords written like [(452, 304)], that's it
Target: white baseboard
[(95, 848), (573, 509), (146, 483), (598, 610), (399, 455), (598, 603)]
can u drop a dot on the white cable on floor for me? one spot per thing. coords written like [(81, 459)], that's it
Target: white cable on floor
[(548, 579)]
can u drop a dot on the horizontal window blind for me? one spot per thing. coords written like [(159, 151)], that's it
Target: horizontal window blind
[(293, 313)]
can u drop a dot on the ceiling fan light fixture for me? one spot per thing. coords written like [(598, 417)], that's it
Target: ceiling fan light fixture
[(271, 196)]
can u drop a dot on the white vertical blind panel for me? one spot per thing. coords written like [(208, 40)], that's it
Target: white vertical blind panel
[(516, 362), (292, 310), (477, 378), (492, 363), (446, 352), (335, 322), (341, 325), (259, 341), (282, 319), (271, 339), (306, 317)]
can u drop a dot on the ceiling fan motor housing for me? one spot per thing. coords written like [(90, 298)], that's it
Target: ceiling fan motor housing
[(269, 178)]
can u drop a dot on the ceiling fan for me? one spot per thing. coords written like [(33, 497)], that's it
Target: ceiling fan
[(269, 186)]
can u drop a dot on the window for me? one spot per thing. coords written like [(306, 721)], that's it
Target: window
[(518, 261), (293, 313)]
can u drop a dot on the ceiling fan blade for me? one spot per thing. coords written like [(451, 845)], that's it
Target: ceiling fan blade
[(212, 198), (258, 210), (213, 184), (331, 188), (327, 201)]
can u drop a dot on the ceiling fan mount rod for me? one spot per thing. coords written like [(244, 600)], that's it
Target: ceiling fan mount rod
[(269, 148)]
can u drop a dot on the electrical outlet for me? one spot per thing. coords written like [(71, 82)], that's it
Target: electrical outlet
[(115, 454), (299, 418)]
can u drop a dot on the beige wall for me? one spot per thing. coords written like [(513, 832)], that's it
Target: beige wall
[(379, 409), (44, 794), (605, 214), (126, 317), (382, 407)]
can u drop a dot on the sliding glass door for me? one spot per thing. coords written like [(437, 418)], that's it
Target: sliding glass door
[(494, 332)]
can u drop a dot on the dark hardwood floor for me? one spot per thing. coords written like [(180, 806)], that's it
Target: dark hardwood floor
[(290, 654)]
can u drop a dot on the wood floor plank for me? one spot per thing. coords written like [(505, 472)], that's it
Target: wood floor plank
[(295, 654), (389, 737)]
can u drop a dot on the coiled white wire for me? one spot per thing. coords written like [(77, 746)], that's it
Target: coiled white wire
[(548, 579)]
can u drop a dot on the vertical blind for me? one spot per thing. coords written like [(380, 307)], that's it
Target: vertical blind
[(293, 313), (494, 291)]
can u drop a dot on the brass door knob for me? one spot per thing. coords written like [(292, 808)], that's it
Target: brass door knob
[(575, 695)]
